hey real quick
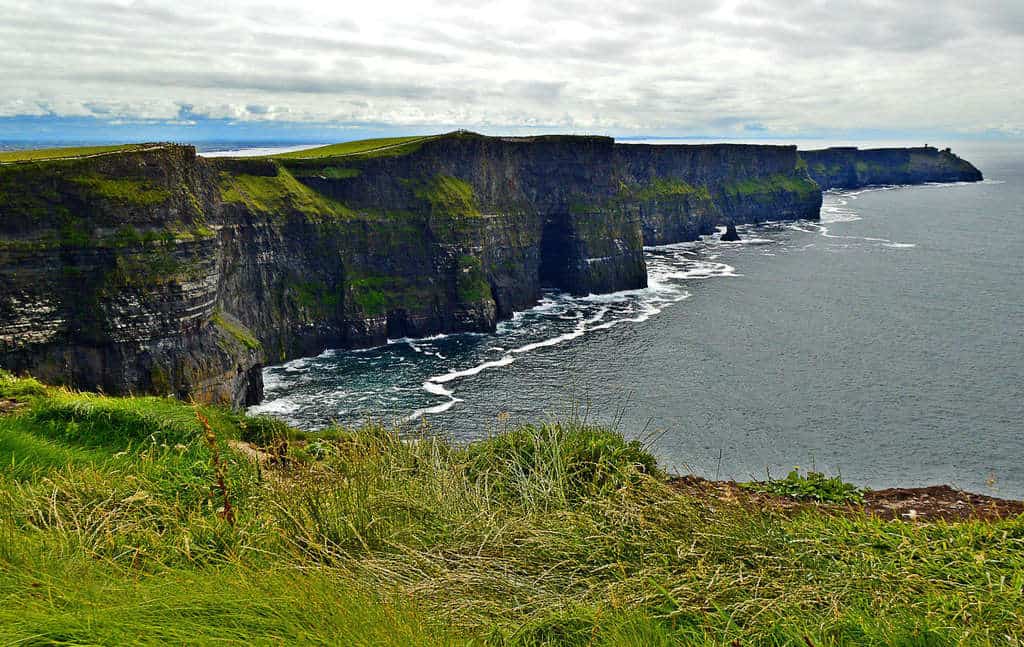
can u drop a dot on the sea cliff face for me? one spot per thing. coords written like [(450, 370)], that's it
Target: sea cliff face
[(684, 192), (850, 167), (156, 271)]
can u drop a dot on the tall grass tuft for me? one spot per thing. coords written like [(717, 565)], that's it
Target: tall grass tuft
[(557, 463)]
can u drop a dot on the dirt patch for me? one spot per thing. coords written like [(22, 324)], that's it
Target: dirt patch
[(938, 502), (250, 451), (930, 503), (9, 406)]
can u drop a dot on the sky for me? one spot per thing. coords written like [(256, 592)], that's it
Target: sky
[(330, 71)]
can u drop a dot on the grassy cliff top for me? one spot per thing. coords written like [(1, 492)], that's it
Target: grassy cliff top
[(41, 154), (384, 146), (150, 521)]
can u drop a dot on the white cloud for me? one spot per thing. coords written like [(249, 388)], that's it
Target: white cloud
[(587, 65)]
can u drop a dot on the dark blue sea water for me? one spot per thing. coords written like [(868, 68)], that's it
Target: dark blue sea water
[(885, 342)]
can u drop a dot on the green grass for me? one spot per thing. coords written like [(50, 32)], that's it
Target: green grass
[(63, 153), (81, 602), (125, 190), (553, 534), (237, 331), (316, 297), (376, 295), (664, 188), (772, 184), (365, 147), (279, 194), (471, 283), (448, 196)]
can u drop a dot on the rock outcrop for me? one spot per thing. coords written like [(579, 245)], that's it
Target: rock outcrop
[(730, 235), (157, 271), (850, 167)]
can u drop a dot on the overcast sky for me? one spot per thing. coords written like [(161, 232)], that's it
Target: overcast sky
[(782, 67)]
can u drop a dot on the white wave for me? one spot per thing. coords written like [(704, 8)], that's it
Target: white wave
[(837, 212), (550, 342), (440, 408), (616, 297), (823, 231), (419, 348), (899, 245), (296, 365), (688, 245), (649, 311), (835, 217), (436, 389), (272, 380), (401, 340), (416, 340), (703, 270), (483, 366), (279, 406), (939, 185), (853, 193)]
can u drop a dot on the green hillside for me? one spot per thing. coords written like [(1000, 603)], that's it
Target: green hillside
[(149, 521)]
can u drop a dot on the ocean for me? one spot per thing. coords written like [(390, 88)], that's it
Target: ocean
[(884, 342)]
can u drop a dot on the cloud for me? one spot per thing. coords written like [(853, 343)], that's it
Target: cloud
[(651, 66)]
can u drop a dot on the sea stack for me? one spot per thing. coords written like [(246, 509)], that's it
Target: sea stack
[(730, 234)]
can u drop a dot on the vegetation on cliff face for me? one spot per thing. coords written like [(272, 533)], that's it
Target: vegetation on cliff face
[(124, 190), (237, 331), (125, 520), (776, 183), (448, 196), (663, 188), (278, 195), (471, 283), (378, 295)]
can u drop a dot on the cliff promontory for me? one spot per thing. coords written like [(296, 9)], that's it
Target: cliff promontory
[(851, 167), (152, 270)]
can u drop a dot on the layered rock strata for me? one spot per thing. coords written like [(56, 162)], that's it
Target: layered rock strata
[(157, 271)]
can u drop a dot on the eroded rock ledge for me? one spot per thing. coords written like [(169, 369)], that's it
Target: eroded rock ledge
[(156, 271)]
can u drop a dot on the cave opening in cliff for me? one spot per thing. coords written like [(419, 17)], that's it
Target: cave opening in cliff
[(554, 253)]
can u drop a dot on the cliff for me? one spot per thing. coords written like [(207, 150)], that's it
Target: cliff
[(155, 271), (684, 191), (850, 167)]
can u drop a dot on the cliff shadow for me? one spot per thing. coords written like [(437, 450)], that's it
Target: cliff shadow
[(555, 252)]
